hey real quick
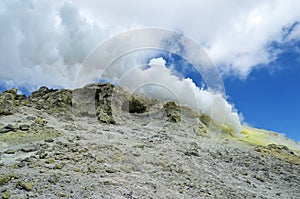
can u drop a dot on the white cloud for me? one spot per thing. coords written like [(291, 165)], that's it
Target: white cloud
[(294, 34), (236, 34), (40, 39), (42, 42), (157, 62), (159, 81)]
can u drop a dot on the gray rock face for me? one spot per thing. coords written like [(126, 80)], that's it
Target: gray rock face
[(107, 102), (9, 101), (103, 101), (57, 102), (95, 100)]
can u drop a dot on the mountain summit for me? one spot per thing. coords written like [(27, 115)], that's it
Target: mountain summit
[(101, 141)]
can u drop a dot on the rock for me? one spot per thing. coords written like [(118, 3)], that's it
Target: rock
[(53, 179), (278, 147), (50, 160), (29, 149), (42, 155), (6, 195), (4, 179), (110, 170), (60, 100), (9, 151), (13, 176), (7, 128), (137, 105), (205, 120), (21, 164), (25, 185), (84, 101), (38, 120), (30, 118), (8, 102), (4, 130), (41, 92), (130, 195), (57, 102), (173, 112), (21, 97), (105, 116), (104, 100), (91, 168), (259, 177), (62, 194), (12, 91), (24, 127), (49, 140), (59, 166), (76, 169), (191, 152)]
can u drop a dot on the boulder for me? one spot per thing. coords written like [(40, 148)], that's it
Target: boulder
[(84, 101), (41, 92), (173, 112), (137, 104), (7, 128), (57, 102), (95, 100), (7, 102)]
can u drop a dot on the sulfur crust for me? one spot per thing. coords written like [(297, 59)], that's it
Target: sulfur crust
[(264, 138)]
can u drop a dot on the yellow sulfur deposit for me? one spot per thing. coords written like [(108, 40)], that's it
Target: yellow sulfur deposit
[(264, 138)]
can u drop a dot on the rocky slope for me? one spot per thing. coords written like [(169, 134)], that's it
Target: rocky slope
[(101, 142)]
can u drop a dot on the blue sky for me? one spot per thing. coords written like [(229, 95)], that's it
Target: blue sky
[(254, 43), (270, 96)]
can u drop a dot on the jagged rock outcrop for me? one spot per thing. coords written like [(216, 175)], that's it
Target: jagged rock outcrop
[(137, 105), (108, 102), (41, 92), (107, 98), (104, 101), (10, 100), (84, 101), (97, 100), (56, 102), (173, 112)]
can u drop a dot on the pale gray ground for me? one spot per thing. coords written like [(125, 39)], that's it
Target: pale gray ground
[(140, 157)]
